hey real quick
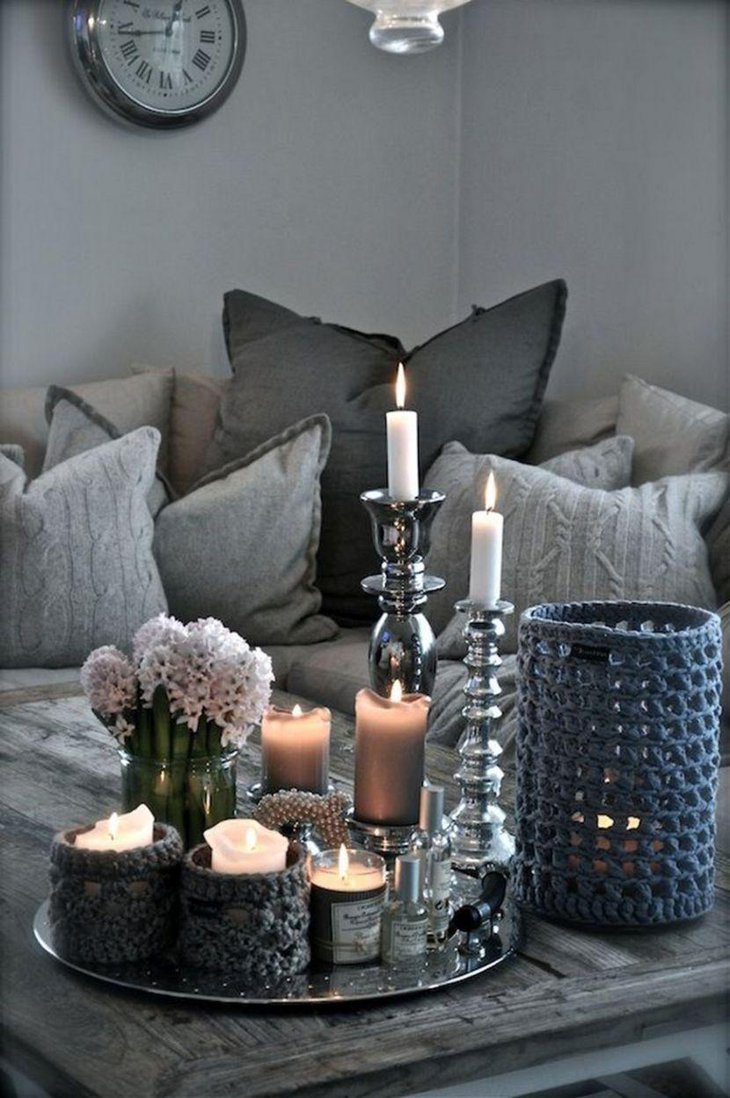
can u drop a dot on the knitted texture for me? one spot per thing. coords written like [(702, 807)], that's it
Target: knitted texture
[(108, 907), (254, 924), (617, 761)]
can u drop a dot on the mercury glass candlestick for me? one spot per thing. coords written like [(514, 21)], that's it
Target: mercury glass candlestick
[(479, 839), (402, 644)]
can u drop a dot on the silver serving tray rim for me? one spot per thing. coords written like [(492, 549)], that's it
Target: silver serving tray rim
[(318, 985)]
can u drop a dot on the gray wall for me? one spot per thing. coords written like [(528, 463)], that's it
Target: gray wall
[(594, 145), (586, 138)]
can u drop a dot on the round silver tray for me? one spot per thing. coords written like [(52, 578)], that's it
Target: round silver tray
[(319, 984)]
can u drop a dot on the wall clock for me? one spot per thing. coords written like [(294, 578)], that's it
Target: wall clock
[(158, 63)]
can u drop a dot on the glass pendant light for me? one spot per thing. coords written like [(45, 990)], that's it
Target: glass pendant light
[(407, 26)]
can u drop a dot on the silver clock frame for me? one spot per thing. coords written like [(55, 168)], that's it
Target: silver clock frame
[(96, 77)]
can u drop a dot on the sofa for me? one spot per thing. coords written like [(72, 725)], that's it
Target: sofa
[(646, 468)]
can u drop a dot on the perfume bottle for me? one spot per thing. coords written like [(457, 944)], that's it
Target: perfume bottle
[(431, 843), (405, 919)]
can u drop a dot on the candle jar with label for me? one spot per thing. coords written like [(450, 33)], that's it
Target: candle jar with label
[(348, 894), (113, 904), (245, 903)]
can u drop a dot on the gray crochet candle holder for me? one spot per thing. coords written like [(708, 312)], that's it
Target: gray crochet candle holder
[(617, 762), (256, 924), (109, 907)]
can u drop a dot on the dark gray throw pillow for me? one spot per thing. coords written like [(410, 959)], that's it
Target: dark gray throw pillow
[(481, 382)]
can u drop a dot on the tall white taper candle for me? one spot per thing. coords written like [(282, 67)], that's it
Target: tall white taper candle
[(486, 550), (402, 430)]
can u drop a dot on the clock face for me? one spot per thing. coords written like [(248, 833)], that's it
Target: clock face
[(160, 62)]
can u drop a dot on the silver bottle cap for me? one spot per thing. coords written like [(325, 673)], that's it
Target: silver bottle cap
[(408, 877), (431, 814)]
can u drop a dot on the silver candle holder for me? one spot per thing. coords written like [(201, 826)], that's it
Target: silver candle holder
[(480, 842), (402, 644)]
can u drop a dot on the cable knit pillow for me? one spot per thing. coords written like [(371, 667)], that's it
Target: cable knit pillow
[(563, 542), (76, 564), (606, 465), (241, 546)]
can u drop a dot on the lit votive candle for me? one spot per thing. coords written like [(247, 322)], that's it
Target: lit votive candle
[(244, 846), (346, 905), (390, 736), (118, 833), (295, 749)]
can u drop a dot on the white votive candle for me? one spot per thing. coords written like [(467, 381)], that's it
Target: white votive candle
[(244, 846), (487, 526), (295, 749), (125, 832), (402, 432)]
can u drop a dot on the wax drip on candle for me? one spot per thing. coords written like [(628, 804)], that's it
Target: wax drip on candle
[(113, 826), (396, 691), (343, 862), (296, 711)]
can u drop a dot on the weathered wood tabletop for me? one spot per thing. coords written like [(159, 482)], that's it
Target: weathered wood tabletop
[(569, 991)]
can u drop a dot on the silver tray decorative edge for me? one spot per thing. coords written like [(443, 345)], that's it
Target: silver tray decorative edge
[(318, 985)]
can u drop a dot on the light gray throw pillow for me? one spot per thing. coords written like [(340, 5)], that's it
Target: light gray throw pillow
[(456, 473), (563, 542), (241, 546), (75, 427), (76, 563)]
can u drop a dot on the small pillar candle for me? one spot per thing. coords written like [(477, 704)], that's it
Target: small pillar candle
[(244, 846), (118, 833), (486, 550), (295, 749), (390, 735), (346, 905), (402, 432)]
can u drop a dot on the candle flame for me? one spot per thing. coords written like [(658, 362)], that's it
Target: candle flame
[(400, 387), (396, 691), (296, 711), (250, 839), (490, 493), (605, 821), (113, 825), (343, 862), (632, 823)]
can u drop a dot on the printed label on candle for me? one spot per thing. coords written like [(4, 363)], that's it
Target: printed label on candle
[(356, 930), (408, 939)]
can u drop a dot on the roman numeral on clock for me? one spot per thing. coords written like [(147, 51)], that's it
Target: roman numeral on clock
[(131, 3), (207, 36), (202, 60), (202, 12), (188, 77), (165, 80), (125, 28), (144, 71), (129, 50)]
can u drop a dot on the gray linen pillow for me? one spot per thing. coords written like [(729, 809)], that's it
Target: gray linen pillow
[(673, 435), (241, 546), (606, 465), (76, 563), (563, 542), (570, 424), (480, 381), (75, 427)]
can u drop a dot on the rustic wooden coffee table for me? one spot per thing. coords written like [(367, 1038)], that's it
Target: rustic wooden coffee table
[(568, 991)]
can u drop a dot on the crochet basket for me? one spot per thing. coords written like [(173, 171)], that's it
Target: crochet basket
[(256, 925), (111, 908), (617, 762)]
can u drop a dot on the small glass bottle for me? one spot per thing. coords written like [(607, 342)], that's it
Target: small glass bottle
[(405, 919), (432, 845)]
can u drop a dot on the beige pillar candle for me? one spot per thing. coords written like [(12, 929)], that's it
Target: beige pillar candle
[(295, 749), (244, 846), (390, 736), (125, 832)]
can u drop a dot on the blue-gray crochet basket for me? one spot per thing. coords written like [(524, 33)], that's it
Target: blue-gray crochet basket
[(617, 762)]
